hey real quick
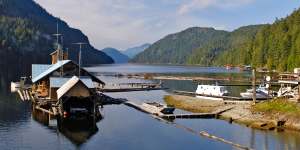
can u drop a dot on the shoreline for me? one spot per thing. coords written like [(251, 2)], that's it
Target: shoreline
[(241, 113)]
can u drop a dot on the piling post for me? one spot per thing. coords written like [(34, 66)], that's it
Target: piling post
[(254, 86), (298, 91)]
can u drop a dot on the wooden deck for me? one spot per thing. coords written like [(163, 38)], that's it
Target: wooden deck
[(110, 90), (178, 116)]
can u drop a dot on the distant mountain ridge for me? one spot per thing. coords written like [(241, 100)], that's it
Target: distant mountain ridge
[(176, 48), (116, 55), (132, 52), (30, 29), (275, 46)]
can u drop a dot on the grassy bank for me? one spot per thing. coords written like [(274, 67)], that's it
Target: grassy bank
[(268, 115), (191, 104), (279, 107), (280, 110)]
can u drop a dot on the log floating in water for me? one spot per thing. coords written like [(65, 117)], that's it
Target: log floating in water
[(205, 134)]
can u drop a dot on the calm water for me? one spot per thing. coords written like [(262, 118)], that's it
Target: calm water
[(123, 127)]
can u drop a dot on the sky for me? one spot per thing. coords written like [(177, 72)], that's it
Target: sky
[(128, 23)]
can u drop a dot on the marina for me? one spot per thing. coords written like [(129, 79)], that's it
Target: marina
[(150, 96), (147, 75)]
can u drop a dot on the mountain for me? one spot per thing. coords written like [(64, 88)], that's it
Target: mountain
[(176, 48), (117, 56), (233, 49), (26, 35), (201, 46), (275, 46), (131, 52)]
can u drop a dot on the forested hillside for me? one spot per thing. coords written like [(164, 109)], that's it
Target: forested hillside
[(276, 46), (26, 35), (233, 49), (176, 48)]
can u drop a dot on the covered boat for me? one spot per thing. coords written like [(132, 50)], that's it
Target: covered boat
[(211, 92), (156, 108)]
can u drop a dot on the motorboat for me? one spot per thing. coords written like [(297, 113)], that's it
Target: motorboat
[(261, 92), (156, 108)]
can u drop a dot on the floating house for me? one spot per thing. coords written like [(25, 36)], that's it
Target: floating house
[(64, 83), (47, 79)]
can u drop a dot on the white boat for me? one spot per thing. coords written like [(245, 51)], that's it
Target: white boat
[(249, 94), (211, 92), (156, 108), (261, 92)]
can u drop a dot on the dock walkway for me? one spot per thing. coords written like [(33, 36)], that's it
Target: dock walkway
[(109, 90), (175, 116)]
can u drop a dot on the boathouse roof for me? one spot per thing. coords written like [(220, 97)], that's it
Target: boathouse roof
[(57, 82), (37, 69), (41, 71), (68, 86), (50, 70)]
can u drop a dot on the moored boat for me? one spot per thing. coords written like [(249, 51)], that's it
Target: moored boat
[(211, 92), (262, 92), (156, 108)]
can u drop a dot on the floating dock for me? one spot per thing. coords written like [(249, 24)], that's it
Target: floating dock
[(129, 87), (225, 98), (109, 90), (178, 116)]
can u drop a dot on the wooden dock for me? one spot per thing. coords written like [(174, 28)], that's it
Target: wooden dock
[(167, 117), (178, 116), (225, 98), (110, 90)]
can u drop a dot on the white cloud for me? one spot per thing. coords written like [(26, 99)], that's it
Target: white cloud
[(204, 4), (126, 23), (107, 23)]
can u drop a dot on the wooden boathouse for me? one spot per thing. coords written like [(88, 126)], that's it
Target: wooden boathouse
[(47, 79), (63, 87)]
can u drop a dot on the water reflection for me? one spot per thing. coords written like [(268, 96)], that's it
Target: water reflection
[(78, 131), (122, 127)]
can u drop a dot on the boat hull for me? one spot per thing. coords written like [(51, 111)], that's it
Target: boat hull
[(158, 108), (250, 95)]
